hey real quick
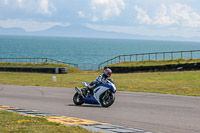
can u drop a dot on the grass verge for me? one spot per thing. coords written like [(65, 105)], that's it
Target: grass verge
[(16, 123), (179, 83), (154, 63), (69, 68)]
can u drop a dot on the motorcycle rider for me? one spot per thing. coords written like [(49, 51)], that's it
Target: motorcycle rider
[(100, 79)]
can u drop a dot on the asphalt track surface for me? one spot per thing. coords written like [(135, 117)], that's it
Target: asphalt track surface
[(159, 113)]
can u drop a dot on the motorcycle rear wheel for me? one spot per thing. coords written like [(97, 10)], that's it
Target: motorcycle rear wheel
[(78, 99), (107, 101)]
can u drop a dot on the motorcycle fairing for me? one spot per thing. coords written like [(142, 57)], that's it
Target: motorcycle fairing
[(85, 84), (90, 100), (100, 89), (110, 86)]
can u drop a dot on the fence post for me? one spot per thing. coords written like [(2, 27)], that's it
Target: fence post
[(136, 57), (164, 56), (181, 55), (156, 56), (191, 54), (149, 56), (171, 55), (130, 58), (119, 58), (98, 67), (142, 57)]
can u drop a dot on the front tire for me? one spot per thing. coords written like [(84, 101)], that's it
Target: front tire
[(107, 99), (78, 99)]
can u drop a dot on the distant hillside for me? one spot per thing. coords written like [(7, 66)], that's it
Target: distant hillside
[(78, 30), (12, 31), (81, 31)]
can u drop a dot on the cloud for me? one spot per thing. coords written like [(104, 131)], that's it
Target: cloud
[(163, 17), (81, 14), (142, 16), (104, 9), (170, 15), (29, 25), (6, 2), (185, 15), (44, 7)]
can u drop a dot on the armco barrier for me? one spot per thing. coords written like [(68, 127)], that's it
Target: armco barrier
[(57, 70)]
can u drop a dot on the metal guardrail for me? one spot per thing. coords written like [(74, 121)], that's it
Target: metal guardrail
[(117, 59), (150, 56), (35, 60)]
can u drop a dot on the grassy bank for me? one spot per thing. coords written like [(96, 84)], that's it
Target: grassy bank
[(180, 83), (154, 63), (70, 69), (15, 123)]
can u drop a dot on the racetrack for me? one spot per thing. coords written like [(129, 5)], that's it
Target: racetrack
[(158, 113)]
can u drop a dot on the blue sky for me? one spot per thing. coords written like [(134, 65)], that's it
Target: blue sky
[(142, 17)]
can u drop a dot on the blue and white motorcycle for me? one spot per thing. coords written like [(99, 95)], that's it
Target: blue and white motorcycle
[(103, 94)]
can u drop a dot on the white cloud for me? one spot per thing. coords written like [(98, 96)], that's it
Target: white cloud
[(44, 7), (162, 17), (81, 14), (95, 18), (20, 2), (107, 8), (170, 15), (142, 16), (185, 15), (29, 25), (6, 2)]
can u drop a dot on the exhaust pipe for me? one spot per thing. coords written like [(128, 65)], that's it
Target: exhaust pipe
[(79, 91)]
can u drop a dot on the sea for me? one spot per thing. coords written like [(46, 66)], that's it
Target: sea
[(86, 52)]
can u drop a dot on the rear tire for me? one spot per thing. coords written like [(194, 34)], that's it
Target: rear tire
[(78, 99), (108, 100)]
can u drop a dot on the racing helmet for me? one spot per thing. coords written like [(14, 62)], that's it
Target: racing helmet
[(108, 72)]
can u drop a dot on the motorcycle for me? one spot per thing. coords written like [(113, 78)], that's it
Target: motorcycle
[(102, 94)]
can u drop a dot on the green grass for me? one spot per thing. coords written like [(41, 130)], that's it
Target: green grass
[(154, 63), (70, 69), (16, 123), (179, 83)]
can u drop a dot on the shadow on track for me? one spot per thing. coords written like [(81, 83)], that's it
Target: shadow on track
[(86, 106)]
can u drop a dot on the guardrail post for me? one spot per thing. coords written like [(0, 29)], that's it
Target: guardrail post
[(156, 56), (164, 56), (149, 56), (136, 57), (181, 55), (172, 56), (98, 67)]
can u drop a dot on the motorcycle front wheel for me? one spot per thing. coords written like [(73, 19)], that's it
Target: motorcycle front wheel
[(107, 99), (78, 99)]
